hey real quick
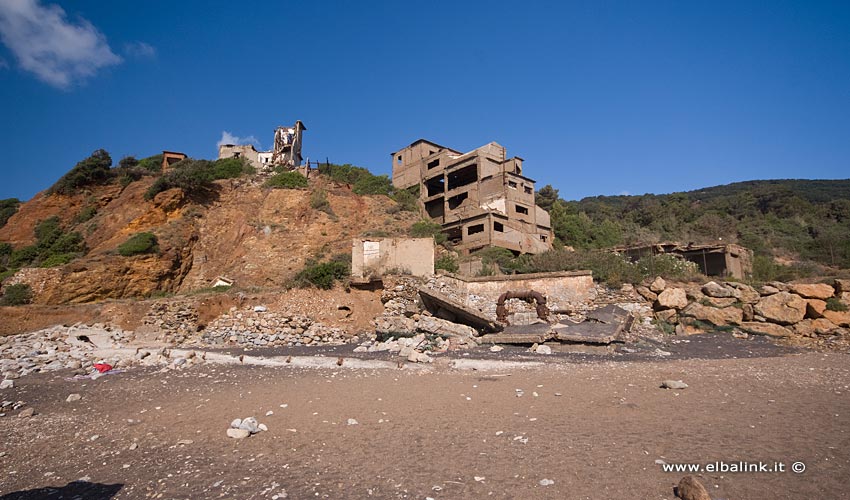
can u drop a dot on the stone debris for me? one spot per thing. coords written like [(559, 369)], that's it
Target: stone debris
[(73, 397), (546, 482), (243, 427), (674, 384), (252, 327), (7, 384)]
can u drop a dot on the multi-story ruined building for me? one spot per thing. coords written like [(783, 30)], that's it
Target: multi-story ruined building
[(481, 197), (286, 150)]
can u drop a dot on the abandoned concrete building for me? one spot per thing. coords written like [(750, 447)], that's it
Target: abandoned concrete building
[(170, 158), (725, 260), (480, 198), (286, 150)]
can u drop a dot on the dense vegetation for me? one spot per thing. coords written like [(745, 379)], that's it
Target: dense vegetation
[(16, 295), (287, 180), (92, 171), (324, 274), (138, 244), (793, 219), (53, 247), (8, 207), (194, 177)]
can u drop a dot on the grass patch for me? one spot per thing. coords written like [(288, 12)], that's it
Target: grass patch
[(835, 304)]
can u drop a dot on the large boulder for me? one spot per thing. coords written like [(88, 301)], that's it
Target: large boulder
[(395, 325), (812, 327), (647, 293), (841, 286), (714, 315), (716, 290), (783, 308), (671, 298), (719, 302), (815, 308), (840, 318), (668, 316), (814, 291), (443, 328), (747, 294), (658, 284), (766, 329)]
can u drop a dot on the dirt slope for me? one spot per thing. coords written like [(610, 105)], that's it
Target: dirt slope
[(256, 236)]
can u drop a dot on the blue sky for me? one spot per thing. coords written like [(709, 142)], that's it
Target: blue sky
[(598, 97)]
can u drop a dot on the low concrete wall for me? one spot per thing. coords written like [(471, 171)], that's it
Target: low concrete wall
[(560, 288), (414, 256)]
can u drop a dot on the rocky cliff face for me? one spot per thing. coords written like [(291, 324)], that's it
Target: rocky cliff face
[(256, 236)]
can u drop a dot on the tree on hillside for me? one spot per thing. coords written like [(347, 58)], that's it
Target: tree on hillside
[(93, 170)]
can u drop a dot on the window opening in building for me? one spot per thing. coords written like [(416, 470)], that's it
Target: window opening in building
[(434, 164), (521, 210), (456, 201), (478, 228), (498, 226), (463, 176)]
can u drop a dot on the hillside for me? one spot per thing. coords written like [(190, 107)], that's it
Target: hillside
[(801, 223), (257, 236)]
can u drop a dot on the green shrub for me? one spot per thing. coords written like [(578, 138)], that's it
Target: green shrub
[(426, 228), (128, 162), (16, 295), (23, 256), (51, 240), (139, 243), (322, 275), (373, 184), (607, 267), (7, 273), (193, 177), (86, 214), (151, 163), (446, 262), (668, 266), (287, 180), (407, 199), (835, 304), (230, 168), (5, 249), (91, 171), (58, 259), (8, 208), (319, 201)]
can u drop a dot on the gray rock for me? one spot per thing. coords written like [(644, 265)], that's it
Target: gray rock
[(7, 384), (237, 433), (250, 424), (674, 384), (26, 413), (713, 289), (236, 423), (546, 482), (73, 397), (351, 421)]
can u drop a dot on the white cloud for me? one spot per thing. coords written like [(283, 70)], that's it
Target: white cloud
[(48, 45), (624, 193), (140, 50), (228, 138)]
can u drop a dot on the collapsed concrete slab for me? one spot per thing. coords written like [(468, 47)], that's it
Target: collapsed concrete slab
[(602, 326), (444, 307)]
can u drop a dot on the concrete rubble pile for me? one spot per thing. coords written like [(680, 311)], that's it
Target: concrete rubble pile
[(257, 326), (815, 311)]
